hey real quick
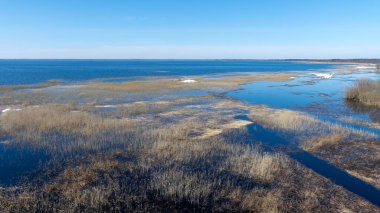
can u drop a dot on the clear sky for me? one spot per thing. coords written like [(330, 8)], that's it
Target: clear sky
[(190, 29)]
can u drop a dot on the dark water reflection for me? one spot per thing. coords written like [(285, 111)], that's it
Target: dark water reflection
[(359, 108)]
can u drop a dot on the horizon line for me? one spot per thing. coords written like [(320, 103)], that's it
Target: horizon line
[(247, 59)]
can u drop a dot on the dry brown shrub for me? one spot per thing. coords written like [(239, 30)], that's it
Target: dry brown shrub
[(319, 142), (366, 91)]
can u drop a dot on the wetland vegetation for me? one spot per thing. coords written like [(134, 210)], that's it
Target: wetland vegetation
[(365, 91), (189, 106), (167, 145)]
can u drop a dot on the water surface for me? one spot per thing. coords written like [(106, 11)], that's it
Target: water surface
[(320, 97), (34, 71)]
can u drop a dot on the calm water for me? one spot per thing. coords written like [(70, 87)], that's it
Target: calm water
[(34, 71), (317, 96)]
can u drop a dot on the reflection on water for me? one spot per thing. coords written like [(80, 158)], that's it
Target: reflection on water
[(317, 96), (357, 107)]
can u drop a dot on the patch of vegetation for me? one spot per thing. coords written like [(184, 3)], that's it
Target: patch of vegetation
[(105, 162), (366, 91), (181, 155), (361, 159), (310, 133), (181, 175), (335, 143), (167, 84)]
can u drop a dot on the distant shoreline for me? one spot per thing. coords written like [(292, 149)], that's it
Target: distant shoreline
[(375, 61), (366, 61)]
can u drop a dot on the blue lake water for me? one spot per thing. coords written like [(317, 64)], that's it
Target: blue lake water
[(34, 71)]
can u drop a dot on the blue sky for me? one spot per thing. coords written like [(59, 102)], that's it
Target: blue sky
[(190, 29)]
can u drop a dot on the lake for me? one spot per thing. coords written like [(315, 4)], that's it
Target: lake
[(15, 72)]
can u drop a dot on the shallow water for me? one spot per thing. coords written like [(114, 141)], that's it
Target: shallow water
[(14, 72), (309, 93)]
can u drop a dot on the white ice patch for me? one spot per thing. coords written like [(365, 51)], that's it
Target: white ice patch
[(105, 106), (188, 81), (365, 67), (9, 110), (323, 75)]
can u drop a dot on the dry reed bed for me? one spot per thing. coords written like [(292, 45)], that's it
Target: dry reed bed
[(332, 142), (366, 91), (360, 122), (170, 149), (359, 159), (351, 150), (311, 133), (170, 159), (64, 96), (63, 129), (185, 175), (154, 166)]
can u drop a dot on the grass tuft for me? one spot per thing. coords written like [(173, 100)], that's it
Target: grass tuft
[(366, 91)]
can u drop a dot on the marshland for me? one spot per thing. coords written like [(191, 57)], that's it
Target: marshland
[(296, 140)]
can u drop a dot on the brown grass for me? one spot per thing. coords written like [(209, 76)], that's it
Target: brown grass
[(225, 83), (360, 122), (191, 176), (310, 132), (194, 168), (361, 159), (319, 142), (31, 124), (365, 91), (112, 162)]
